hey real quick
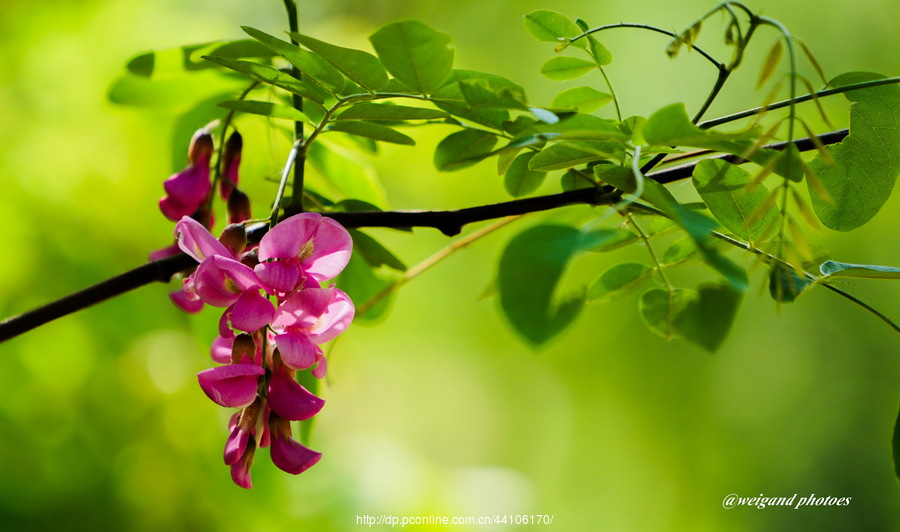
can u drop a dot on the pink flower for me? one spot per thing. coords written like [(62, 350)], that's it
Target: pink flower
[(287, 454), (240, 469), (234, 385), (188, 189), (306, 244), (311, 317), (222, 281), (290, 400)]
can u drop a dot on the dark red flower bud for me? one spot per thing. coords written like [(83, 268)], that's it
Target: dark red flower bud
[(231, 160), (238, 207)]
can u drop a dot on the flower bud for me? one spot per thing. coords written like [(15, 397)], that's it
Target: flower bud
[(238, 207), (250, 258), (201, 147), (243, 348), (231, 159), (234, 238)]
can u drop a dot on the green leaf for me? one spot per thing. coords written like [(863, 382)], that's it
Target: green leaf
[(564, 67), (361, 282), (723, 186), (658, 309), (451, 98), (619, 281), (599, 52), (699, 227), (681, 249), (415, 54), (785, 285), (770, 64), (571, 153), (177, 93), (867, 162), (670, 126), (373, 252), (311, 65), (833, 268), (269, 109), (529, 272), (388, 112), (584, 99), (341, 173), (270, 75), (519, 180), (176, 61), (706, 319), (618, 176), (550, 26), (602, 240), (372, 131), (462, 149), (360, 67)]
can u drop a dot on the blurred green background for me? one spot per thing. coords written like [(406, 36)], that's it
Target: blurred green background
[(438, 408)]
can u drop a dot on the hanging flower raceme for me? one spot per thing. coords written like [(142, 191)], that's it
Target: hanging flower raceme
[(261, 344), (187, 191)]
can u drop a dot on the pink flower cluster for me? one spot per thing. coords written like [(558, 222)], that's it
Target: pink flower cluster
[(263, 344), (189, 193)]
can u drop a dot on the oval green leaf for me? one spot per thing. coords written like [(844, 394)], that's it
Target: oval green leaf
[(619, 281), (388, 112), (519, 180), (462, 149), (372, 131), (415, 54), (269, 109), (564, 67), (866, 163), (310, 64), (566, 154), (723, 186), (530, 269), (583, 99), (360, 67), (550, 26), (270, 75)]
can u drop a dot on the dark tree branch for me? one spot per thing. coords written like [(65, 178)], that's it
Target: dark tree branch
[(449, 223)]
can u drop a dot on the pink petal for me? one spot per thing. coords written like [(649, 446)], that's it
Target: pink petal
[(335, 320), (252, 312), (292, 457), (186, 302), (197, 241), (233, 386), (281, 276), (189, 186), (240, 470), (210, 284), (321, 369), (297, 351), (220, 351), (285, 240), (175, 210), (242, 275), (240, 475), (304, 308), (290, 400), (332, 247), (235, 445)]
